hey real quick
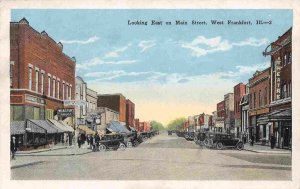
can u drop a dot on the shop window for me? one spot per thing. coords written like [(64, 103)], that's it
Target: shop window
[(17, 113), (29, 113), (36, 113)]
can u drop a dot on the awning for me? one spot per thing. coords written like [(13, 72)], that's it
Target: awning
[(117, 127), (60, 125), (67, 126), (87, 130), (277, 115), (48, 126), (17, 127), (32, 127)]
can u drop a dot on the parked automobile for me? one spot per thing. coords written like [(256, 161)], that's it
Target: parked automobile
[(223, 140), (169, 132), (199, 138), (189, 135), (112, 141)]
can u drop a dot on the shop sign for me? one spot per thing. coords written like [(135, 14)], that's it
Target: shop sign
[(277, 78), (33, 99), (74, 103), (65, 112)]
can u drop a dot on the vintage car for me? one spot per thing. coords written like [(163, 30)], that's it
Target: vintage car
[(112, 141), (199, 138), (169, 132), (145, 135), (189, 136), (223, 140)]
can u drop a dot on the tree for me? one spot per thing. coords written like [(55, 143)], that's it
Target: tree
[(176, 122), (157, 125)]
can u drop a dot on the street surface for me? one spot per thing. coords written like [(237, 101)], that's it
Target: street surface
[(161, 158)]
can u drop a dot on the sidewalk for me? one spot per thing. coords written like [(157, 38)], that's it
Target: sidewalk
[(58, 150), (265, 149)]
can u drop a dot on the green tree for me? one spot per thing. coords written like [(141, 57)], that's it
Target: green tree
[(176, 122), (157, 125)]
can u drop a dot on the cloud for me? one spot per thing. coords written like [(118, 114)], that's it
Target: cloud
[(98, 61), (252, 42), (201, 46), (144, 45), (116, 53), (252, 69), (89, 40)]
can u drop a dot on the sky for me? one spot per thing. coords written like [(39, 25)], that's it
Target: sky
[(168, 71)]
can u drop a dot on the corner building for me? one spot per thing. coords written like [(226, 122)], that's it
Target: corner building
[(41, 75)]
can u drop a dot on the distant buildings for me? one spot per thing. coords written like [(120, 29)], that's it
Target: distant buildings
[(229, 113), (130, 112), (238, 91)]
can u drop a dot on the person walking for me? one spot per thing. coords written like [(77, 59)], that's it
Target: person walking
[(252, 140), (79, 140), (13, 147), (273, 141)]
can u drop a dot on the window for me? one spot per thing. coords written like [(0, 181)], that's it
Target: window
[(285, 59), (30, 79), (63, 91), (11, 73), (49, 85), (289, 57), (259, 98), (70, 93), (254, 100), (42, 83), (67, 89), (58, 89), (266, 96), (53, 94), (284, 91), (37, 81)]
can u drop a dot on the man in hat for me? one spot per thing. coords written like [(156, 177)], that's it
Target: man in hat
[(13, 147)]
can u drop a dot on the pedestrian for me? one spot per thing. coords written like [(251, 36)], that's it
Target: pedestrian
[(88, 139), (273, 141), (252, 140), (13, 147), (244, 138), (79, 140)]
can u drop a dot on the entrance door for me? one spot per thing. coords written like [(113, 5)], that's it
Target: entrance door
[(286, 136)]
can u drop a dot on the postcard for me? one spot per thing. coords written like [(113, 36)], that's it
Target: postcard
[(170, 95)]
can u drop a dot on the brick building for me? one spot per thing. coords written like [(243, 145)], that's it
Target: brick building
[(144, 126), (219, 125), (245, 113), (136, 123), (116, 102), (41, 75), (280, 116), (259, 94), (130, 113), (238, 92), (229, 113)]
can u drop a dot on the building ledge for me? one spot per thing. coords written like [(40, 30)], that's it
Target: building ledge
[(281, 101)]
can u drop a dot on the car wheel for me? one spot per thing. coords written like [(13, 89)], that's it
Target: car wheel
[(129, 145), (195, 139), (219, 146), (240, 146), (122, 146), (135, 143), (206, 142), (102, 148)]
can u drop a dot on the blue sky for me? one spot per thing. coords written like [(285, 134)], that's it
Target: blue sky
[(185, 68)]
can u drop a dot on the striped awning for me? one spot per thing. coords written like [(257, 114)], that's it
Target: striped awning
[(86, 130), (61, 126), (17, 127), (48, 126)]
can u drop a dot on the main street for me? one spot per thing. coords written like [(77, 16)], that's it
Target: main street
[(161, 158)]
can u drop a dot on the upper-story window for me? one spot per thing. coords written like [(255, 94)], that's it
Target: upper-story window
[(49, 85), (11, 72), (284, 93), (63, 90), (289, 57), (53, 88), (37, 81), (30, 79), (42, 82), (254, 100), (259, 99), (58, 83), (70, 92), (266, 96)]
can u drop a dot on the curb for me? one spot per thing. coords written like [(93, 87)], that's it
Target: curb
[(26, 164), (269, 152), (55, 154), (38, 151)]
